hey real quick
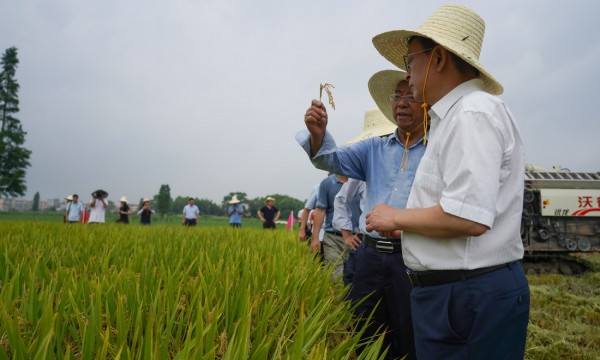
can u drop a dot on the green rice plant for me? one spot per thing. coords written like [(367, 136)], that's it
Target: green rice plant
[(132, 292)]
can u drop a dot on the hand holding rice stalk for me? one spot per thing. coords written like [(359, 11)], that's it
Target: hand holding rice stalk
[(327, 87)]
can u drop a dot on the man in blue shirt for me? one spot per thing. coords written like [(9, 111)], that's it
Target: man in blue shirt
[(74, 210), (388, 166), (335, 252), (235, 212)]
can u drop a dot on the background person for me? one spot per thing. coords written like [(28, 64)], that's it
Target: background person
[(235, 212), (269, 214), (68, 199), (75, 210), (461, 227), (335, 252), (146, 212), (124, 211), (191, 212), (305, 230), (98, 207)]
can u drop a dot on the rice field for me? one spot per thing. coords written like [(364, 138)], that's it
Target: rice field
[(169, 292), (162, 292)]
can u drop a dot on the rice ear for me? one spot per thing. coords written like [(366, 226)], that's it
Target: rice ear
[(327, 87)]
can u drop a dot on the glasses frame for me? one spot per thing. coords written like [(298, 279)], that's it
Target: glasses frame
[(409, 98), (411, 55)]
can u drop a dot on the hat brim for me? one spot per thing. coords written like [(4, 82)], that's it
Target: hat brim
[(393, 45), (383, 84), (100, 191), (378, 125)]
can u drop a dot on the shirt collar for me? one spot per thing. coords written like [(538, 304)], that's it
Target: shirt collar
[(444, 105)]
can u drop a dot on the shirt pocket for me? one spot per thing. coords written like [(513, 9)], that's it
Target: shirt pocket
[(428, 180)]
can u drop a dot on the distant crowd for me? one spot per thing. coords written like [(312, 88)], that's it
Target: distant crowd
[(77, 213)]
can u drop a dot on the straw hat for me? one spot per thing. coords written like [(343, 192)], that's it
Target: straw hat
[(269, 199), (383, 84), (375, 124), (455, 27), (69, 198), (145, 200), (123, 199), (234, 200)]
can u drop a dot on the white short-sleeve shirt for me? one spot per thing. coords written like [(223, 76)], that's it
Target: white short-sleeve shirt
[(474, 168), (190, 211)]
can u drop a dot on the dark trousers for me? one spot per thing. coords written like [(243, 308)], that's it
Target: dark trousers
[(381, 279), (190, 222), (269, 224), (349, 268), (484, 317)]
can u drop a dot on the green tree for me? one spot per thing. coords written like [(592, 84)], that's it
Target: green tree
[(36, 202), (209, 207), (163, 200), (178, 204), (14, 158)]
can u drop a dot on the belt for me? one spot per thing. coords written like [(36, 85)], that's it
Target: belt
[(439, 277), (338, 233), (384, 246)]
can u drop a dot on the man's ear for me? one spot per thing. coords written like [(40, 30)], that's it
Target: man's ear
[(441, 58)]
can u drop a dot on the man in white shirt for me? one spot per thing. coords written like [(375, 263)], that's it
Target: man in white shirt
[(461, 239), (190, 213), (98, 207)]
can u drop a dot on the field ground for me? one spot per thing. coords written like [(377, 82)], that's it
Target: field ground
[(98, 278)]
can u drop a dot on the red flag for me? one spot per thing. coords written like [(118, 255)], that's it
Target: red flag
[(290, 222), (85, 216)]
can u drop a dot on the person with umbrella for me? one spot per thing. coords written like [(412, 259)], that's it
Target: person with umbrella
[(98, 207)]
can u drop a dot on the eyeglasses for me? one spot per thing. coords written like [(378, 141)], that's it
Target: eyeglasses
[(408, 57), (397, 98)]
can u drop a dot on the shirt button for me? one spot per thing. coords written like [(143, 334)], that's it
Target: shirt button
[(395, 189)]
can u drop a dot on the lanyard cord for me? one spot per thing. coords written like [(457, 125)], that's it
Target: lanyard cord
[(425, 105), (405, 153)]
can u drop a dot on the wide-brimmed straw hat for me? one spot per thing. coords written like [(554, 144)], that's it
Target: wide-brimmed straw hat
[(457, 28), (269, 199), (234, 200), (145, 200), (123, 199), (383, 84), (69, 198), (375, 124)]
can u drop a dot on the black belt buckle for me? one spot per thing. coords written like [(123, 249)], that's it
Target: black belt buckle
[(384, 246)]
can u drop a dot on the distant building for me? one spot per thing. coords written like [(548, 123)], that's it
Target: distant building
[(10, 204)]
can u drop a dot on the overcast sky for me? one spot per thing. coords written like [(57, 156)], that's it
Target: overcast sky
[(206, 96)]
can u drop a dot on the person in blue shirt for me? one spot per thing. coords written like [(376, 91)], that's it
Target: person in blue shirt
[(332, 247), (74, 211), (235, 212), (387, 165)]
